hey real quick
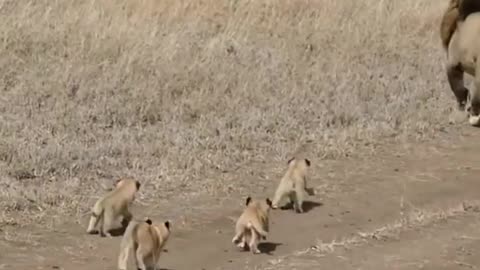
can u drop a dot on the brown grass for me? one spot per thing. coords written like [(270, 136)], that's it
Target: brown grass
[(173, 92)]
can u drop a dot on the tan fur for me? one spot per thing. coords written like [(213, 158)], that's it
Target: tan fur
[(147, 240), (253, 224), (448, 23), (293, 184), (114, 204), (463, 52)]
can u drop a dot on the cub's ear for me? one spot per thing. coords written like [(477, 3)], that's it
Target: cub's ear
[(119, 183), (148, 221), (248, 200), (290, 160), (167, 224), (269, 203), (308, 162)]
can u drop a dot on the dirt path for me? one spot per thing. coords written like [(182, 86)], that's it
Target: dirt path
[(356, 196), (451, 243)]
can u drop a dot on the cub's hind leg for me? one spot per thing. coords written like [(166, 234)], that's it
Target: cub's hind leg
[(239, 232), (254, 242), (292, 198), (299, 198), (139, 259), (93, 223), (245, 239), (284, 189), (108, 218)]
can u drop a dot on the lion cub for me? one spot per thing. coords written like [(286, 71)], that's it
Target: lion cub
[(114, 204), (252, 224), (147, 240), (293, 184)]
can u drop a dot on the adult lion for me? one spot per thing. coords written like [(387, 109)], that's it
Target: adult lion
[(460, 34)]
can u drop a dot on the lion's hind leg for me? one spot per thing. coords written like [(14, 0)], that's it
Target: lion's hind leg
[(474, 112), (455, 80)]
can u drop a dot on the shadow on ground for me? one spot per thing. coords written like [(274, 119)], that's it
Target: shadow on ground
[(268, 247), (307, 206)]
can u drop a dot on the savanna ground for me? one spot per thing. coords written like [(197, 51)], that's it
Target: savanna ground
[(205, 101)]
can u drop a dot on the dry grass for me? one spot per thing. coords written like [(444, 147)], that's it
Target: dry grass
[(173, 92)]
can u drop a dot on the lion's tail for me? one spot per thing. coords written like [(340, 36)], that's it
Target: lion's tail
[(126, 244), (448, 25)]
